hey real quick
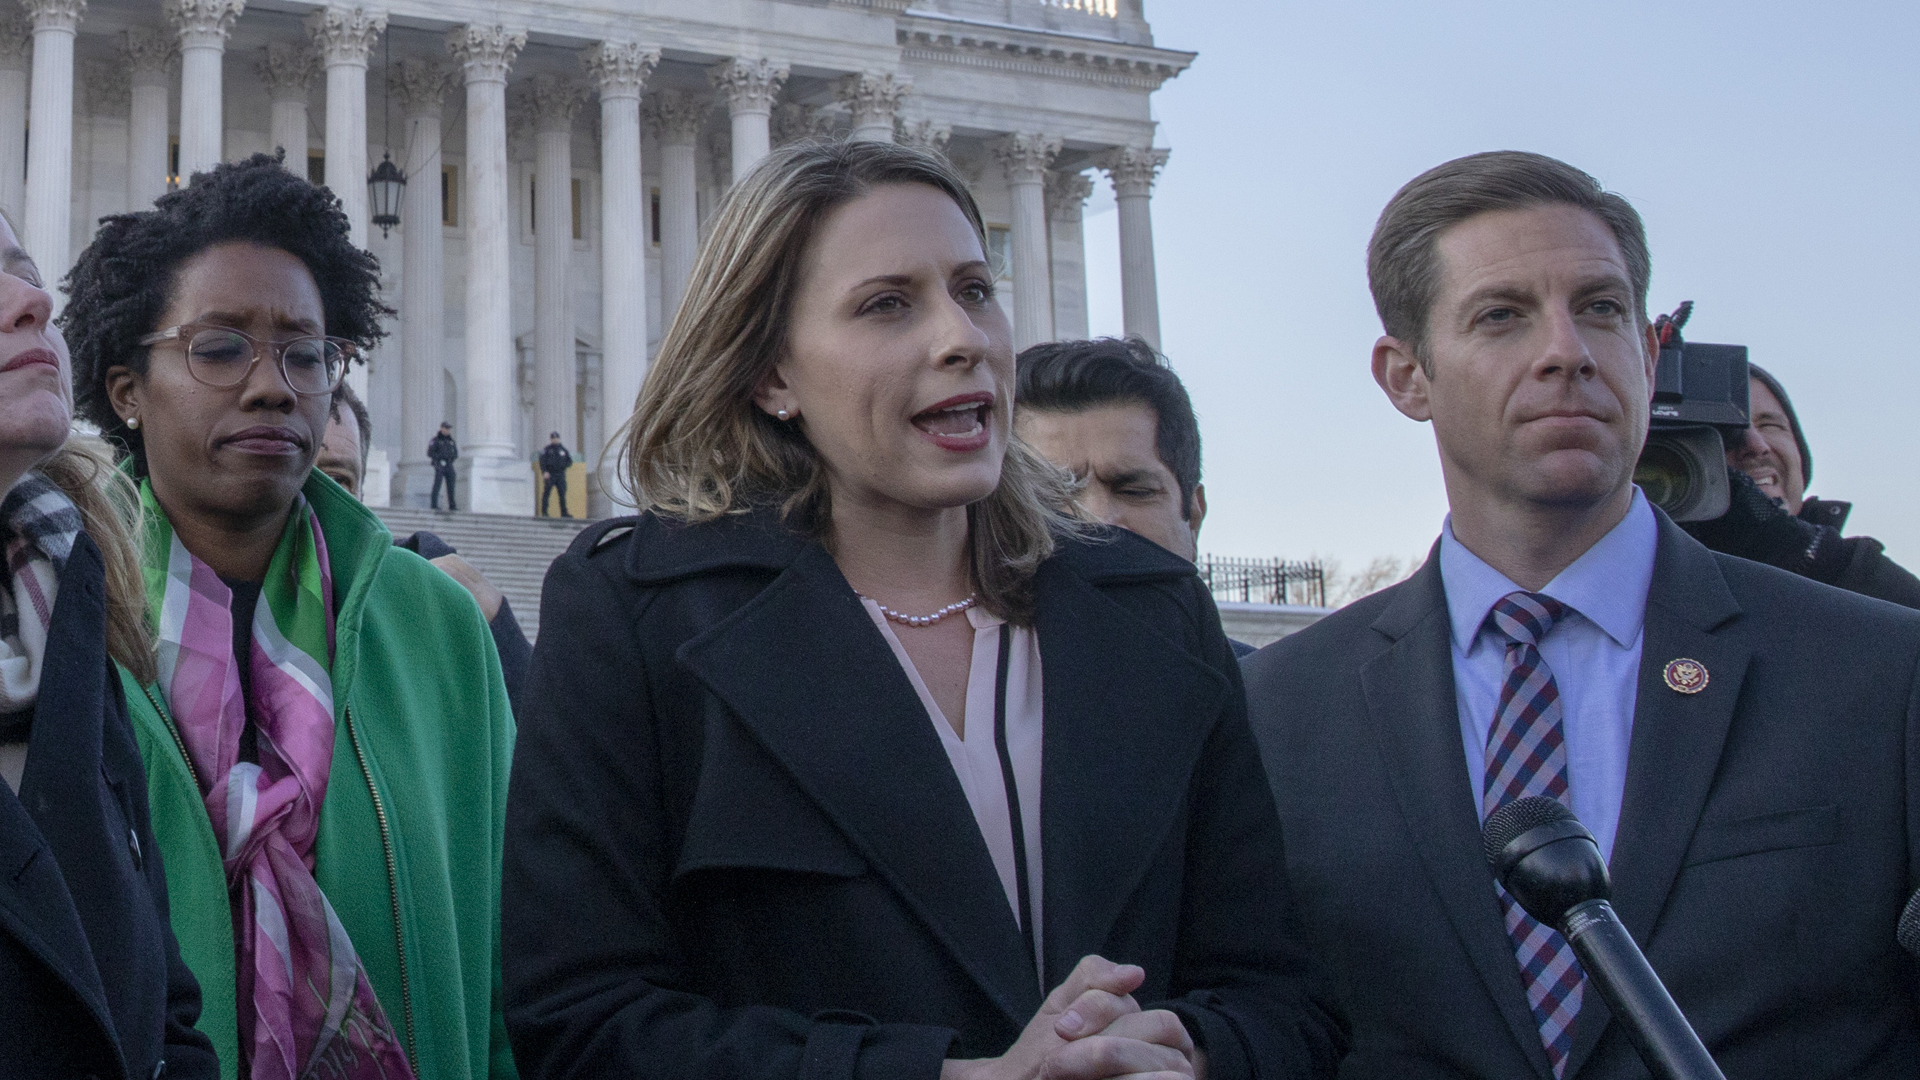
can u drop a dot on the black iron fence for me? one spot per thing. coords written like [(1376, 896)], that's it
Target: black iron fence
[(1266, 581)]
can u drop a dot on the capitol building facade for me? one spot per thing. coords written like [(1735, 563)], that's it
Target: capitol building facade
[(561, 160)]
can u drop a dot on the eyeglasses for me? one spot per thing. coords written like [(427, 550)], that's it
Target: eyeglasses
[(222, 357)]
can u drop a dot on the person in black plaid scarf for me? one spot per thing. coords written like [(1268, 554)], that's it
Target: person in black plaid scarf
[(91, 980)]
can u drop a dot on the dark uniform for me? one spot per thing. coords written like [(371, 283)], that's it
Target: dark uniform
[(554, 462), (443, 451)]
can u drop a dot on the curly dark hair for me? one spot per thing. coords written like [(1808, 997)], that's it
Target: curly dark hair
[(124, 280)]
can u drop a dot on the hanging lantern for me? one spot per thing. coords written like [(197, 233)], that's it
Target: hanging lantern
[(384, 188)]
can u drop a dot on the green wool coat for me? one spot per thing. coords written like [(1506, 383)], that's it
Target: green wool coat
[(408, 850)]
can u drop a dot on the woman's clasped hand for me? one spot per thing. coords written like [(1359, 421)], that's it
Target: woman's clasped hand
[(1090, 1028)]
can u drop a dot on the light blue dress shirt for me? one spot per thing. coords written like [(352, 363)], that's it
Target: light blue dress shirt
[(1594, 654)]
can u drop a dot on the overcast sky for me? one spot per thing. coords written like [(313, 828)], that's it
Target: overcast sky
[(1770, 147)]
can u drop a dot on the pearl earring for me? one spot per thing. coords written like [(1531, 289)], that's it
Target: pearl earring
[(782, 414), (133, 423)]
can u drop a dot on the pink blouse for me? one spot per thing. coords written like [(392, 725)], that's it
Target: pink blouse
[(976, 758)]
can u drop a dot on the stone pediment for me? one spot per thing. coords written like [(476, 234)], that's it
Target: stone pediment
[(927, 36)]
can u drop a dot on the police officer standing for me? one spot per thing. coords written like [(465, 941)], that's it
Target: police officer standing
[(443, 451), (554, 462)]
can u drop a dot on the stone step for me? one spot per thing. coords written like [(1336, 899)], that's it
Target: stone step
[(512, 551)]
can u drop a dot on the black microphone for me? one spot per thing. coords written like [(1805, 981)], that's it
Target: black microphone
[(1551, 864), (1909, 930)]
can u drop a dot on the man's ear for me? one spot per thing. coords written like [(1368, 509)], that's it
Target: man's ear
[(1404, 378), (1652, 346), (1197, 512)]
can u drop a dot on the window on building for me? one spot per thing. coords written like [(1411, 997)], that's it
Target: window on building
[(577, 235), (653, 217), (450, 196), (173, 164), (999, 251), (316, 169)]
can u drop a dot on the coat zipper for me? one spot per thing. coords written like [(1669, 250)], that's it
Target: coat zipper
[(393, 889), (167, 719)]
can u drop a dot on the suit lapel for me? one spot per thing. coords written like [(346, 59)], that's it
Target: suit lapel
[(806, 671), (38, 911), (1416, 716), (1677, 739), (1115, 768)]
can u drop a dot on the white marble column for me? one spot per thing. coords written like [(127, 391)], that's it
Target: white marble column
[(873, 99), (1066, 206), (203, 26), (619, 71), (498, 481), (419, 87), (16, 58), (1025, 157), (554, 100), (148, 56), (287, 72), (1133, 169), (749, 87), (344, 38), (677, 116), (49, 215)]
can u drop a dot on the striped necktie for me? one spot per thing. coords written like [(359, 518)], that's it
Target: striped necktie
[(1526, 756)]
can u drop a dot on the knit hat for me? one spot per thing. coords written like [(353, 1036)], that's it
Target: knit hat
[(1793, 420)]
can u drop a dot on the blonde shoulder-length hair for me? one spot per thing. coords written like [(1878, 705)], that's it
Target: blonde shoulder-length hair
[(697, 448)]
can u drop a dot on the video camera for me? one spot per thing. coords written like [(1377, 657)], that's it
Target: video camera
[(1699, 402)]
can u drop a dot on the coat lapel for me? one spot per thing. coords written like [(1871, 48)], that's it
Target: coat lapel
[(805, 670), (59, 804), (1677, 739), (1411, 699), (1114, 770)]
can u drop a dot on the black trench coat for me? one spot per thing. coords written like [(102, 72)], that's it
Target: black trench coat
[(91, 982), (735, 847)]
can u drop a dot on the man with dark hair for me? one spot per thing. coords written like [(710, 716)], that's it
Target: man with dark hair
[(1738, 739), (442, 451), (1115, 415), (1111, 412), (343, 450), (1771, 520), (554, 463)]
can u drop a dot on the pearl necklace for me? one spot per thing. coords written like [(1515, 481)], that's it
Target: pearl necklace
[(904, 619)]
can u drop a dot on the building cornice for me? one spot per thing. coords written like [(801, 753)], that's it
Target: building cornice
[(927, 36)]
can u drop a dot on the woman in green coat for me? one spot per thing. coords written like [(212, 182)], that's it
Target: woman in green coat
[(328, 738)]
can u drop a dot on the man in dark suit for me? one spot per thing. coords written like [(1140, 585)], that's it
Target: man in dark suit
[(1741, 741)]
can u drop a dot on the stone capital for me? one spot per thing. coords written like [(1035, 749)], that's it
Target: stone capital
[(106, 83), (149, 55), (618, 68), (345, 35), (1067, 194), (677, 115), (485, 53), (1025, 156), (925, 134), (1133, 168), (286, 71), (419, 86), (748, 86), (792, 121), (873, 97), (55, 14), (16, 42), (551, 101), (203, 24)]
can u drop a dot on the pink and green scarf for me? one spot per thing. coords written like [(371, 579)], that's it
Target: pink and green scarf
[(306, 1008)]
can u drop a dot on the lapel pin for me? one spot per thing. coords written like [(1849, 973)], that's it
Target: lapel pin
[(1686, 676)]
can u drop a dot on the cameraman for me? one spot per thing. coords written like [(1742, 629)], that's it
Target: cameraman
[(1770, 521)]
